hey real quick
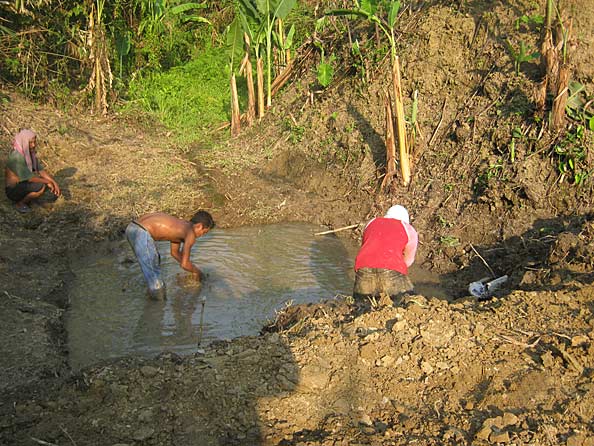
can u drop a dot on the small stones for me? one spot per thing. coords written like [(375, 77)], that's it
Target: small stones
[(149, 371)]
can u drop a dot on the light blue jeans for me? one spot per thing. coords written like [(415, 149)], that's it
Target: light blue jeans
[(148, 257)]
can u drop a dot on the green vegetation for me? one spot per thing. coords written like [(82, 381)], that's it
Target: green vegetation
[(325, 71), (187, 98), (516, 135), (531, 21), (571, 153), (448, 240), (75, 42), (579, 105), (521, 55)]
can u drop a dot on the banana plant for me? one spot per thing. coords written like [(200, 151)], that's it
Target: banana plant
[(284, 42), (156, 14), (368, 10), (235, 45), (272, 11), (371, 10), (253, 26), (264, 14)]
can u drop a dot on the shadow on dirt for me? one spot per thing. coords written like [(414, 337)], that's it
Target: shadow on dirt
[(64, 178), (373, 139)]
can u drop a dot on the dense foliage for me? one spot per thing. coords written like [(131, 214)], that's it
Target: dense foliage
[(46, 43)]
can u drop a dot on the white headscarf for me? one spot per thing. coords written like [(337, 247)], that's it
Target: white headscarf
[(398, 213)]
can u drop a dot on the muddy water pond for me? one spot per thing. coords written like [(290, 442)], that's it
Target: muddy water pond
[(250, 273)]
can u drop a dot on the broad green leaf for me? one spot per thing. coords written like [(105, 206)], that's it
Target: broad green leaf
[(393, 13), (122, 43), (350, 13), (591, 123), (289, 37), (263, 6), (282, 8), (369, 6), (517, 133), (186, 7), (197, 18), (234, 40), (366, 6), (275, 9), (325, 74), (250, 9)]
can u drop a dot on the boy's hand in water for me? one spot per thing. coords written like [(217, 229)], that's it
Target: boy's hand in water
[(197, 275), (191, 280)]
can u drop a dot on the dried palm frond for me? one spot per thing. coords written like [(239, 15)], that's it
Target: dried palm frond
[(101, 78)]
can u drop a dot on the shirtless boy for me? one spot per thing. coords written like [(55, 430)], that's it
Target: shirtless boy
[(182, 234)]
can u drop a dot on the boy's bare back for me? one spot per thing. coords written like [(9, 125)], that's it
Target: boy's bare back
[(162, 226)]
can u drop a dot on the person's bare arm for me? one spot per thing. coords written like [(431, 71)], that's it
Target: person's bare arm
[(176, 251), (51, 183), (410, 250), (185, 260)]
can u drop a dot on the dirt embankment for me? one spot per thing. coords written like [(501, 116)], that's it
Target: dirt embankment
[(517, 369)]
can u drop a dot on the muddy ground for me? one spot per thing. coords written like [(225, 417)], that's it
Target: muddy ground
[(516, 369)]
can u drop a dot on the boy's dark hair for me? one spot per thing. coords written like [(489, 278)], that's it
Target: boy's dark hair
[(204, 218)]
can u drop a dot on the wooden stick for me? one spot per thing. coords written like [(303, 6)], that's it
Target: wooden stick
[(202, 302), (68, 435), (339, 229), (438, 124), (282, 78), (484, 261), (45, 443)]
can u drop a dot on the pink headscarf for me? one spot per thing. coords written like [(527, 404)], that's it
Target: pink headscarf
[(21, 145)]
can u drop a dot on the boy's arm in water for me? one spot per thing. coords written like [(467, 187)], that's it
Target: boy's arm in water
[(185, 262), (176, 252)]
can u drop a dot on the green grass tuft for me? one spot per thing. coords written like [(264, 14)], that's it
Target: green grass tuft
[(190, 98)]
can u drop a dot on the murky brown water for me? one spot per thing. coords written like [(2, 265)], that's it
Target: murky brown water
[(250, 273)]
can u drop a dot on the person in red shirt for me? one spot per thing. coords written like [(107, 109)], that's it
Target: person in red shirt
[(389, 247)]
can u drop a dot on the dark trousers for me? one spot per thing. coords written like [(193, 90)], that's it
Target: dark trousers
[(375, 281)]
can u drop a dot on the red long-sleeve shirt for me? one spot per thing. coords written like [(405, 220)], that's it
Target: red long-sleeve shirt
[(387, 244)]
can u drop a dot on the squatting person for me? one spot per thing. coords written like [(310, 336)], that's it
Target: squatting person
[(389, 247), (182, 234), (25, 178)]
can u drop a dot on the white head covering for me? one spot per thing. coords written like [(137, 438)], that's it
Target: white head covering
[(398, 213)]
